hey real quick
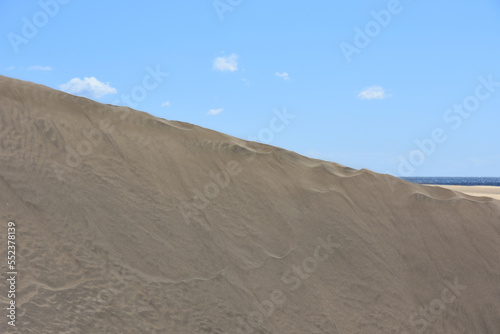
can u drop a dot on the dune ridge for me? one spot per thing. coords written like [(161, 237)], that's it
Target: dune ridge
[(128, 223)]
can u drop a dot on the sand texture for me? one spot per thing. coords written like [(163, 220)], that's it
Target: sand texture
[(127, 223), (479, 191)]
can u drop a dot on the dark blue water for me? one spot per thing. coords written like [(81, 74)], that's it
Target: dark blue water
[(459, 181)]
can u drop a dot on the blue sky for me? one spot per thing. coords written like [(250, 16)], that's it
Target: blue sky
[(409, 88)]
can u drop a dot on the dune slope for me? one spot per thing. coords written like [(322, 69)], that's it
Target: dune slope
[(127, 223)]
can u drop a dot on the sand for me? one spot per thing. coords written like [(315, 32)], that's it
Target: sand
[(479, 191), (127, 223)]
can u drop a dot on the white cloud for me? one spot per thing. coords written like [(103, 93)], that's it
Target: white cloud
[(373, 92), (283, 75), (89, 87), (214, 111), (10, 68), (166, 104), (229, 63), (40, 68)]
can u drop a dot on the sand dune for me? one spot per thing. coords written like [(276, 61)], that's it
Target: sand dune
[(127, 223), (478, 191)]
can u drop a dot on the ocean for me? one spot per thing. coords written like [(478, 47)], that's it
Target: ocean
[(459, 181)]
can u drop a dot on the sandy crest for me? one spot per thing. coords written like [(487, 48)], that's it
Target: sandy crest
[(478, 191), (127, 223)]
